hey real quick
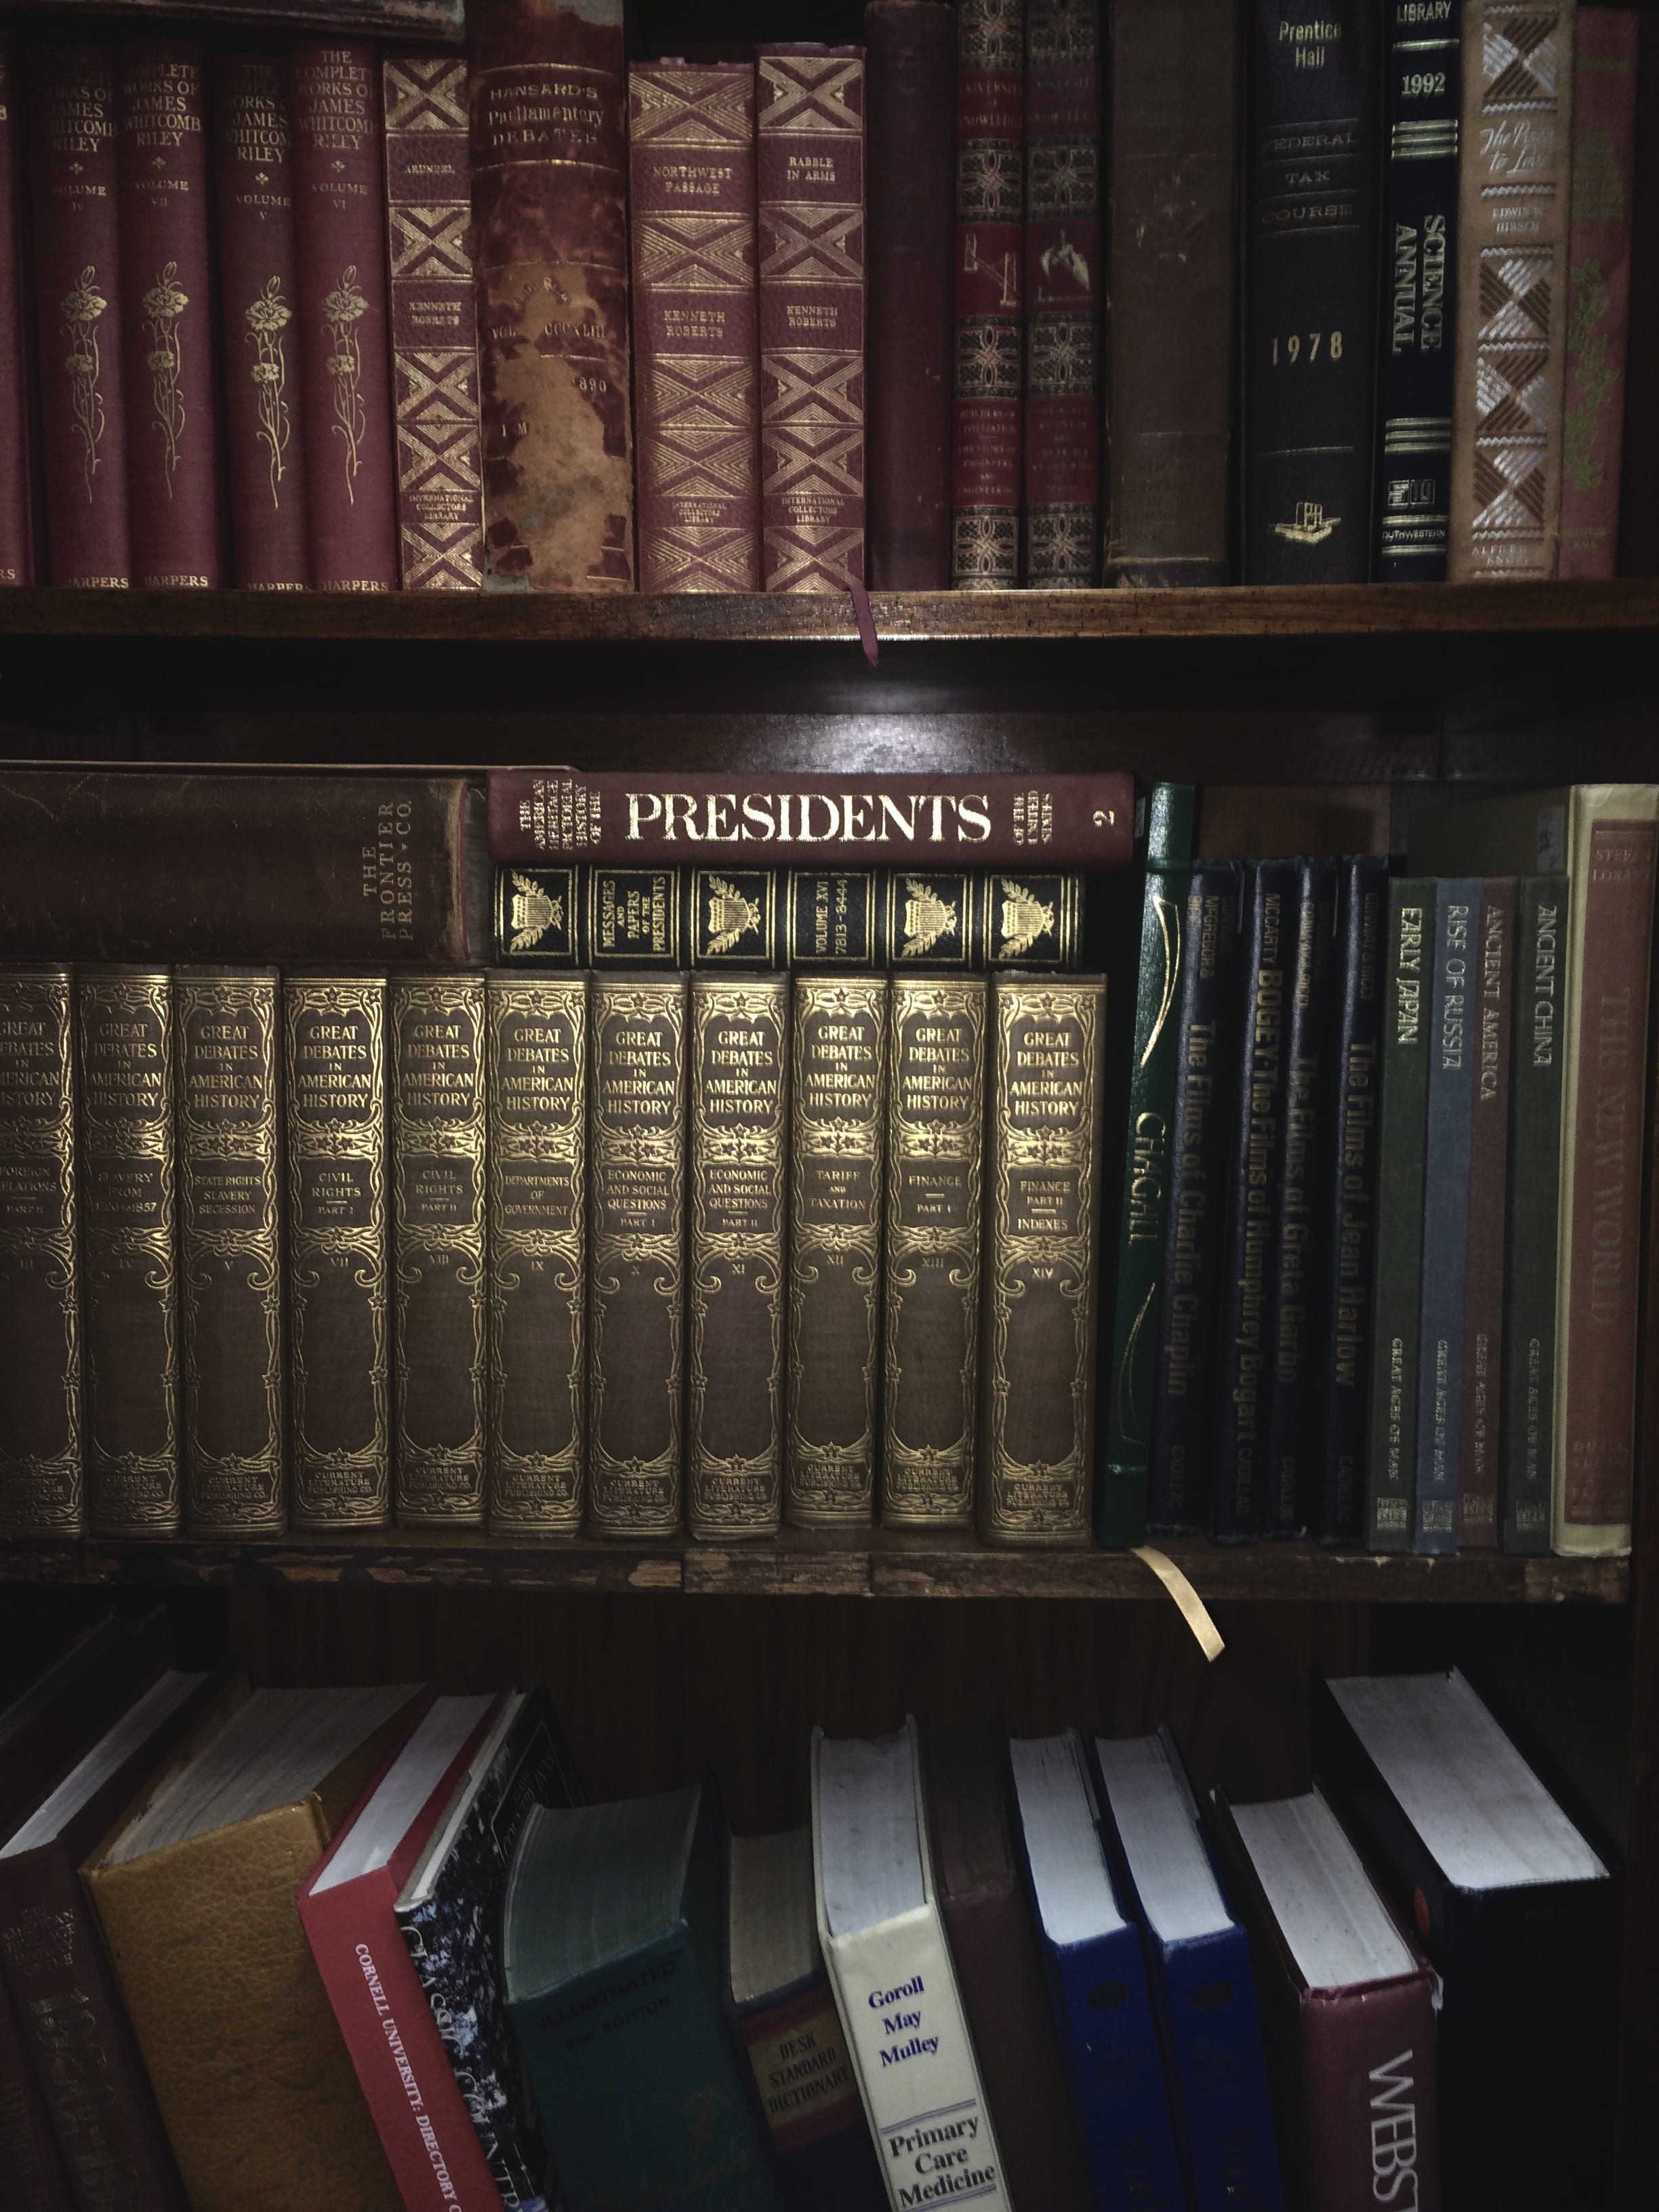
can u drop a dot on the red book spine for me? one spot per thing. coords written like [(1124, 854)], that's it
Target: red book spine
[(911, 120), (435, 322), (1491, 986), (167, 317), (16, 515), (810, 163), (76, 320), (345, 368), (986, 382), (259, 296), (1598, 288), (549, 200), (34, 2178), (691, 179), (1062, 295)]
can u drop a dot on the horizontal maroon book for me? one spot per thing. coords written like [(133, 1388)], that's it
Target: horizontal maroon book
[(987, 821)]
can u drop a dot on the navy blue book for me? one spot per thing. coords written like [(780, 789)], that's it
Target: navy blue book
[(1202, 1989), (1296, 1331), (1350, 1196), (1096, 1976), (1206, 1080), (1242, 1374), (1445, 1214)]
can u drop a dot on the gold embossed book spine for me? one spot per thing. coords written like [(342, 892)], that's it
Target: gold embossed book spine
[(637, 1254), (130, 1294), (837, 1126), (740, 1068), (439, 1303), (1041, 1258), (338, 1254), (225, 1036), (41, 1491), (930, 1324), (537, 1140)]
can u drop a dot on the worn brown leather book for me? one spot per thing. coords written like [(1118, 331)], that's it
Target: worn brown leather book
[(226, 1024), (935, 1139), (838, 1083), (739, 1052), (129, 1285), (637, 1254), (999, 1967), (1045, 1079), (436, 1026), (334, 1064), (41, 1491), (535, 1109)]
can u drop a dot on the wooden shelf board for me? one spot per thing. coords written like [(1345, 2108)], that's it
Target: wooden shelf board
[(800, 1562), (1245, 611)]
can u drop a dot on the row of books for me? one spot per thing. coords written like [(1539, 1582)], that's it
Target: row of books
[(1027, 1973), (831, 314)]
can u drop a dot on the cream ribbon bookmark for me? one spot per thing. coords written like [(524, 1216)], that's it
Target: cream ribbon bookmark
[(1193, 1609)]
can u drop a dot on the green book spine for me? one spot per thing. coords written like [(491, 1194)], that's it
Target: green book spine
[(1120, 1492), (1391, 1442), (1528, 1364)]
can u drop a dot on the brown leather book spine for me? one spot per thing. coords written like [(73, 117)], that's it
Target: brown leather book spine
[(167, 320), (1062, 288), (225, 1024), (810, 163), (344, 348), (989, 361), (35, 2174), (697, 359), (439, 1337), (549, 191), (130, 1293), (1172, 140), (41, 1491), (435, 322), (258, 301), (636, 1253), (739, 1052), (935, 1140), (1491, 992), (838, 1118), (76, 203), (17, 486), (910, 121), (1045, 1079), (537, 1148), (334, 1070)]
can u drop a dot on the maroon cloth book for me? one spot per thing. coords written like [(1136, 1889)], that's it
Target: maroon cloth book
[(258, 303), (1492, 989), (345, 366), (84, 456), (28, 2151), (810, 163), (911, 116), (696, 365), (549, 197), (987, 380), (167, 316), (1062, 293), (16, 511), (435, 322)]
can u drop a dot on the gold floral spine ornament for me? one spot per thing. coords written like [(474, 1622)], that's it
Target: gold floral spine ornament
[(83, 307), (267, 318), (344, 308), (163, 304)]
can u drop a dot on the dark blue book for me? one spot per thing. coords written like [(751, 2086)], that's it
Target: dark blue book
[(1350, 1196), (1445, 1212), (1241, 1388), (1096, 1976), (1205, 1085), (1202, 1990), (1296, 1331)]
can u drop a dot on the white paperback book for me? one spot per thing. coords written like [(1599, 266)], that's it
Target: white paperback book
[(884, 1945)]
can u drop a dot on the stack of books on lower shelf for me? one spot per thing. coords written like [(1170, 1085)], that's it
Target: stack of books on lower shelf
[(1017, 1972)]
